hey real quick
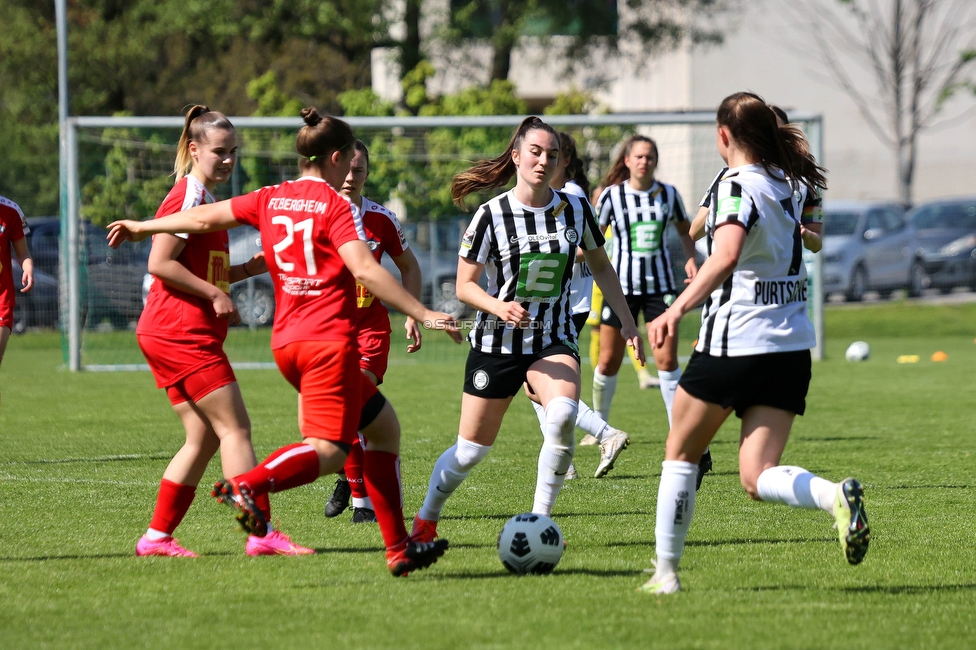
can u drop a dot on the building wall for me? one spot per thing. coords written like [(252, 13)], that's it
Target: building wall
[(765, 51)]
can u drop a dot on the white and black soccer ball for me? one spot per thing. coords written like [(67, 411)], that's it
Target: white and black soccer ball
[(858, 351), (530, 543)]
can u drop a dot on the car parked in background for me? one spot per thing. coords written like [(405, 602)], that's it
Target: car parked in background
[(111, 278), (253, 297), (946, 243), (37, 308), (868, 246)]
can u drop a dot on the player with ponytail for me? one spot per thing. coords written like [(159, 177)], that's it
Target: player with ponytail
[(181, 333), (753, 351), (316, 257), (525, 240)]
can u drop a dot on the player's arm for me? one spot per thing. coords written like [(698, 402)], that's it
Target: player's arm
[(697, 228), (367, 271), (254, 266), (209, 217), (727, 247), (412, 279), (606, 278), (812, 234), (470, 293), (163, 265), (688, 245), (26, 263)]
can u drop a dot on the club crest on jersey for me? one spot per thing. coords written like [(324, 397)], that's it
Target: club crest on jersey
[(665, 209), (480, 379), (372, 244), (572, 236)]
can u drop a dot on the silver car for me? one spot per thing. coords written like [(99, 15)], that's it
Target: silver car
[(868, 247)]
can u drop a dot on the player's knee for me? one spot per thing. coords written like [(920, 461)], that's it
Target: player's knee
[(561, 420), (467, 454)]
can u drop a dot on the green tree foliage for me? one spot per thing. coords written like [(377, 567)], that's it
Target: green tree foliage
[(155, 57)]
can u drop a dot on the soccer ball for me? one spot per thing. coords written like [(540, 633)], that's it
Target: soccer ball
[(530, 543), (858, 351)]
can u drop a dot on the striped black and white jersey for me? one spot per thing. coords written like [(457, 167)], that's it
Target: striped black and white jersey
[(638, 220), (762, 306), (811, 202), (581, 289), (528, 255)]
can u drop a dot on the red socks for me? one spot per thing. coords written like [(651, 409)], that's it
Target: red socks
[(354, 471), (171, 506), (381, 473), (289, 467)]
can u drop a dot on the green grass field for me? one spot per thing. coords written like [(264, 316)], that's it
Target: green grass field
[(82, 455)]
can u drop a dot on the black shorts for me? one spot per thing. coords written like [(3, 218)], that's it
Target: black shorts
[(499, 376), (780, 380), (652, 306), (579, 320)]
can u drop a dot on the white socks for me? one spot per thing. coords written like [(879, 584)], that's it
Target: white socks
[(603, 389), (675, 506), (590, 421), (450, 470), (669, 385), (587, 420), (556, 455), (795, 486), (362, 503)]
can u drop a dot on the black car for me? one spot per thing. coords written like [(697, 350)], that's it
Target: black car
[(945, 244), (39, 307), (111, 279)]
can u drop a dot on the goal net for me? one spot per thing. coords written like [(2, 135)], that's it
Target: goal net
[(121, 167)]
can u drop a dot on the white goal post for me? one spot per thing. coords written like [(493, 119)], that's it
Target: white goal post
[(407, 148)]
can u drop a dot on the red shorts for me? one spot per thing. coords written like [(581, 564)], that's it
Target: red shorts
[(7, 311), (374, 352), (174, 361), (200, 383), (331, 385)]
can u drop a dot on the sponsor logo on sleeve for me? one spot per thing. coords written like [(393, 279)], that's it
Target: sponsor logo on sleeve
[(729, 205), (467, 241)]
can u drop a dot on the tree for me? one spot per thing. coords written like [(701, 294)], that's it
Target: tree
[(586, 27), (919, 54)]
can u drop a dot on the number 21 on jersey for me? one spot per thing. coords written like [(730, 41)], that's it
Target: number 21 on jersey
[(304, 230)]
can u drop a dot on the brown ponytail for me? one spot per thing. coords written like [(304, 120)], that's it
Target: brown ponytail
[(752, 124), (199, 120), (489, 174), (320, 137), (574, 170), (618, 170)]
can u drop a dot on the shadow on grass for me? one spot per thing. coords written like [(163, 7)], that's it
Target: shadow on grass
[(926, 487), (501, 573), (891, 590), (94, 556), (159, 455)]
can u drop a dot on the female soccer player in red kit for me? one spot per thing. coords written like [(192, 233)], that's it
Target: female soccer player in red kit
[(316, 258), (13, 231), (182, 331), (380, 229)]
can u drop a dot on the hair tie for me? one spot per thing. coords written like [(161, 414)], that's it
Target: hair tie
[(312, 158)]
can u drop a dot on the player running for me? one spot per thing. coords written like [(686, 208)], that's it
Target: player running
[(570, 177), (525, 240), (639, 209), (181, 333), (380, 229), (316, 258), (13, 235), (753, 350)]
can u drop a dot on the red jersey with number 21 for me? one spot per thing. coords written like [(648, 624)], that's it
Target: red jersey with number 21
[(302, 224)]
